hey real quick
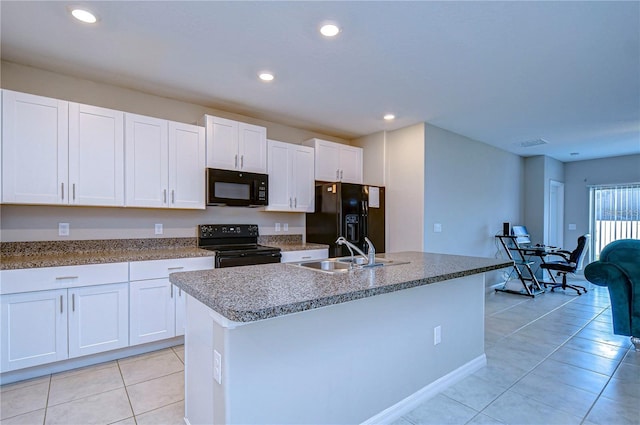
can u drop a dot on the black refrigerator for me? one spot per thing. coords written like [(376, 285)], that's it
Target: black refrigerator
[(354, 211)]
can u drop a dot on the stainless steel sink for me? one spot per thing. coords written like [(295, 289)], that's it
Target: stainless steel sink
[(329, 265), (344, 264)]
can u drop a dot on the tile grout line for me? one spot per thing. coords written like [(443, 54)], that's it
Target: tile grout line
[(124, 384), (46, 405), (547, 357)]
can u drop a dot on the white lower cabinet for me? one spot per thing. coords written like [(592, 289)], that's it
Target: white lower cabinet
[(98, 318), (152, 311), (157, 306), (181, 310), (34, 329)]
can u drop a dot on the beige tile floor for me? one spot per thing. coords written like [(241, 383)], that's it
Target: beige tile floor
[(145, 389), (550, 360)]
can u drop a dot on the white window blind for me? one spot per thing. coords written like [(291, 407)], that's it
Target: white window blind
[(615, 214)]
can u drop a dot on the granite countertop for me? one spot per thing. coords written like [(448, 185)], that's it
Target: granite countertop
[(300, 246), (251, 293), (28, 255)]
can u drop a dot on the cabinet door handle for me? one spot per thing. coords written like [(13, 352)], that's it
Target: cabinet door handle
[(175, 268), (62, 190), (341, 174), (179, 292), (73, 302), (60, 304), (241, 162), (236, 164), (164, 196), (290, 203), (295, 202), (173, 196), (73, 189), (337, 174), (171, 291), (66, 277), (306, 257)]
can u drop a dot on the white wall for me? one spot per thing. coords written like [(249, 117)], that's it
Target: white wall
[(32, 223), (579, 175), (404, 176), (471, 188)]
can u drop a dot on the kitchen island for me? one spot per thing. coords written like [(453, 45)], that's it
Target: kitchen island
[(280, 343)]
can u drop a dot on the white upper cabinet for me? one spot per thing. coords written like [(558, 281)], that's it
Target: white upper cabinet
[(60, 153), (147, 161), (232, 145), (164, 163), (186, 166), (96, 156), (34, 149), (291, 177), (336, 162)]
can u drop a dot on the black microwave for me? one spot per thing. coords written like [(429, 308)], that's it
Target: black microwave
[(237, 188)]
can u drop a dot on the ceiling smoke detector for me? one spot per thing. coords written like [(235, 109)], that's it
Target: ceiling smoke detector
[(534, 142)]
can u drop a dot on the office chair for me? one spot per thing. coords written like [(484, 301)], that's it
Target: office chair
[(572, 261)]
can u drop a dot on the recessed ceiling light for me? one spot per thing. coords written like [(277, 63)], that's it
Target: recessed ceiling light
[(389, 117), (329, 30), (266, 76), (84, 16)]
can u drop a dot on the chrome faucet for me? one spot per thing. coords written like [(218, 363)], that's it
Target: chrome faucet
[(370, 259)]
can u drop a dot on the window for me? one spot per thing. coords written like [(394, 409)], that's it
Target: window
[(615, 214)]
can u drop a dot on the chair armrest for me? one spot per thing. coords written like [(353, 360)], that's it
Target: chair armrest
[(560, 254)]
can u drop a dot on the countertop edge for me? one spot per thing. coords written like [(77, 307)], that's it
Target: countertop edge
[(247, 316)]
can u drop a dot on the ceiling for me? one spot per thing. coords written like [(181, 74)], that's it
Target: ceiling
[(503, 73)]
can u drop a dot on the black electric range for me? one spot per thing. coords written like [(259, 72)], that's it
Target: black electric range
[(236, 245)]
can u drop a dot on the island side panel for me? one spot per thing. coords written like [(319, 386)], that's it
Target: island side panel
[(347, 362), (203, 395)]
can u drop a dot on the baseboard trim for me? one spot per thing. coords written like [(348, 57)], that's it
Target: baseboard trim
[(64, 365), (405, 406)]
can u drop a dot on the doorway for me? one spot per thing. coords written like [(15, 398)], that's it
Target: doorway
[(555, 228)]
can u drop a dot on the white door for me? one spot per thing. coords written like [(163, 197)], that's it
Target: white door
[(186, 166), (222, 143), (252, 148), (351, 164), (279, 169), (303, 182), (33, 329), (98, 318), (555, 228), (327, 161), (151, 311), (96, 156), (34, 149), (146, 161)]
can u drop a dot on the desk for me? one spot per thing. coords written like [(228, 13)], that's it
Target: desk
[(522, 265)]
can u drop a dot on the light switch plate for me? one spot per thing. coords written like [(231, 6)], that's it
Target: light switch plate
[(158, 229), (572, 226), (437, 227)]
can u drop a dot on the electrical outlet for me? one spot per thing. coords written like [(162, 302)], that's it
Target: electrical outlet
[(277, 227), (437, 227), (63, 229), (217, 366), (437, 335), (286, 227), (159, 229)]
